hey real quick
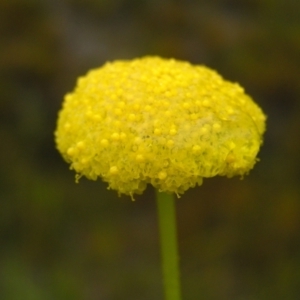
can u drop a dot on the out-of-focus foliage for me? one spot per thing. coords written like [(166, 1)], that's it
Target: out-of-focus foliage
[(61, 240)]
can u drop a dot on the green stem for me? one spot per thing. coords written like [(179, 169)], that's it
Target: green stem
[(169, 248)]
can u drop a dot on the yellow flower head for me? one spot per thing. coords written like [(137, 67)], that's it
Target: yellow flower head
[(158, 121)]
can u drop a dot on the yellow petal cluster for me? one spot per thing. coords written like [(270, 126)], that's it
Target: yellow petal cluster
[(159, 121)]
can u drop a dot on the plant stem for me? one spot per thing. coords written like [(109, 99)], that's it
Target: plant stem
[(169, 247)]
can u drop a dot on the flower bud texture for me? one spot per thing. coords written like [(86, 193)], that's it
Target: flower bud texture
[(158, 121)]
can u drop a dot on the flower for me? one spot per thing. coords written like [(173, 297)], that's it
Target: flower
[(159, 121)]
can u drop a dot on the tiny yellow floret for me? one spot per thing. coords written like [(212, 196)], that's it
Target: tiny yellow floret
[(115, 136), (70, 151), (157, 131), (170, 143), (173, 131), (162, 175), (104, 142), (113, 170), (196, 149), (158, 121), (140, 158), (131, 117), (80, 145)]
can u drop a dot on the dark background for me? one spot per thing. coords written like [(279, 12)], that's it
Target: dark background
[(239, 239)]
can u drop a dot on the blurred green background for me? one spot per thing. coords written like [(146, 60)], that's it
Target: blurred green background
[(239, 239)]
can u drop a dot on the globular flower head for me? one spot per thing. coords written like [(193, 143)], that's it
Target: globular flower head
[(158, 121)]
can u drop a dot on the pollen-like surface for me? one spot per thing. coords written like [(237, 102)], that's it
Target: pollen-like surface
[(158, 121)]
